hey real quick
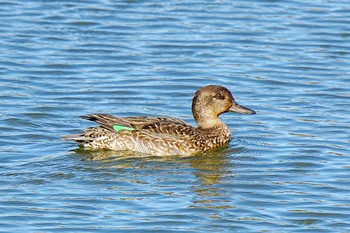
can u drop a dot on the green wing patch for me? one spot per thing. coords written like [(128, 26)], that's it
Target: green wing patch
[(120, 127)]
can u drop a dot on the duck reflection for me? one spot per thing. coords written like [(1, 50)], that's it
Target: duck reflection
[(203, 175)]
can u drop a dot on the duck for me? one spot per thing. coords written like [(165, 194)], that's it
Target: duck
[(165, 136)]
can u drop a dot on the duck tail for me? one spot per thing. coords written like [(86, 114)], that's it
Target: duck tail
[(79, 138)]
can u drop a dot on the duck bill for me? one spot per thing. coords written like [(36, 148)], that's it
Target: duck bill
[(241, 109)]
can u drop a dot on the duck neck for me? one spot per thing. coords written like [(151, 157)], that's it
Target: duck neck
[(215, 131), (207, 120)]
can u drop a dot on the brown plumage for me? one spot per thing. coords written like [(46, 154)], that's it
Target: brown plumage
[(164, 136)]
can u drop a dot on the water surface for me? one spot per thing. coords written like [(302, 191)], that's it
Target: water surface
[(286, 169)]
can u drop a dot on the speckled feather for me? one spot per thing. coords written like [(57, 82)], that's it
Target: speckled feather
[(164, 136)]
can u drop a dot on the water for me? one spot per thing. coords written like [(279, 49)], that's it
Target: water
[(286, 169)]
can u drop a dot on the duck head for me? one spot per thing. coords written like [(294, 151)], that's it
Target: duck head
[(211, 101)]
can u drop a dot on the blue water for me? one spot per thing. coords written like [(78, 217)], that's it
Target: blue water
[(287, 168)]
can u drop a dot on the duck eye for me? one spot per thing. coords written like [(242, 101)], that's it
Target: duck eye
[(220, 97)]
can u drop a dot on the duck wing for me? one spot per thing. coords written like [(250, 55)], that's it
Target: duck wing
[(161, 125), (109, 122), (150, 135), (142, 121)]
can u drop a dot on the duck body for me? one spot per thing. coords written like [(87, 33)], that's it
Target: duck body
[(164, 136)]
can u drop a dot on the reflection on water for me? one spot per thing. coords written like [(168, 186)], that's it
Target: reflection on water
[(209, 173), (206, 169), (207, 166)]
